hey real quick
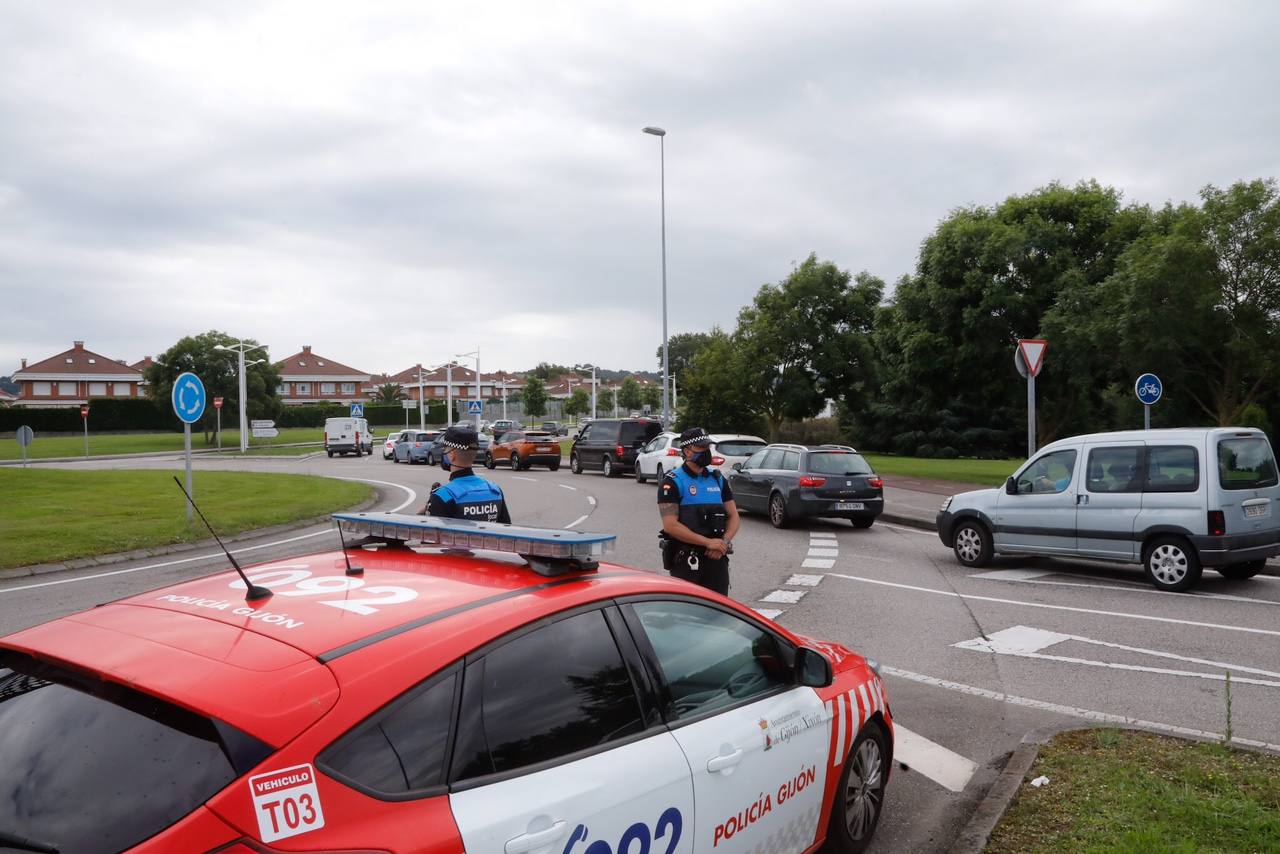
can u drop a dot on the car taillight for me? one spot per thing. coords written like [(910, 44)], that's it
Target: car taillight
[(672, 452), (875, 482), (806, 480), (417, 444), (1217, 523), (717, 461), (618, 450)]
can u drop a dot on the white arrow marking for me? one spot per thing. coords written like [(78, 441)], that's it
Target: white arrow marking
[(944, 767), (195, 389), (1026, 642)]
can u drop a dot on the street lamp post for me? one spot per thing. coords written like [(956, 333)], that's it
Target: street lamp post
[(593, 386), (240, 348), (666, 369), (476, 354)]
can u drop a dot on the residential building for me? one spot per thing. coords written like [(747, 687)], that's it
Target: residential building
[(308, 377), (74, 376)]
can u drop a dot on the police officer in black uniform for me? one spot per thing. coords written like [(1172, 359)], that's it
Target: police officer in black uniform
[(699, 517), (466, 495)]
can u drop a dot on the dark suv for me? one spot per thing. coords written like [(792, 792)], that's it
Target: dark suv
[(611, 444), (795, 481)]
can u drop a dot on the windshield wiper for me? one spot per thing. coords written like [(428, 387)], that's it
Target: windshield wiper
[(21, 843)]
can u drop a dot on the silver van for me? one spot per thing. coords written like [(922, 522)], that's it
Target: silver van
[(1172, 500)]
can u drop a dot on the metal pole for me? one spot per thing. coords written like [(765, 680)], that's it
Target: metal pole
[(86, 437), (422, 418), (244, 420), (219, 428), (1146, 416), (448, 377), (666, 368), (1031, 415), (481, 412), (186, 445), (593, 392)]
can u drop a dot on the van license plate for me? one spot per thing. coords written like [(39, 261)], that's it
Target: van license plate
[(848, 505), (1254, 510)]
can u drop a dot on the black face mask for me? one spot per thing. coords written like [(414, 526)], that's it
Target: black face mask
[(444, 461), (702, 458)]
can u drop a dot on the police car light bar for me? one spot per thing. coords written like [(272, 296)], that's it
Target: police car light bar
[(545, 543)]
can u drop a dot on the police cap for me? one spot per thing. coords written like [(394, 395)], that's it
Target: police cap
[(693, 436), (461, 437)]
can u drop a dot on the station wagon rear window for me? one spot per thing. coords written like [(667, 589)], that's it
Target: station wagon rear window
[(838, 462), (1246, 462)]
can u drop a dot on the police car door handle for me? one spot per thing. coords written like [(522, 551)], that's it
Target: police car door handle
[(526, 842), (724, 761)]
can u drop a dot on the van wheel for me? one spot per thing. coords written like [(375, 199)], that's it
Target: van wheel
[(859, 799), (778, 511), (1241, 571), (575, 464), (606, 468), (972, 544), (331, 455), (1171, 564)]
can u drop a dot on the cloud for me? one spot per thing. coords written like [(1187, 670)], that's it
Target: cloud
[(397, 182)]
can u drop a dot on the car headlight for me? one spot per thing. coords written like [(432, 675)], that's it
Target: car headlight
[(875, 667), (946, 503)]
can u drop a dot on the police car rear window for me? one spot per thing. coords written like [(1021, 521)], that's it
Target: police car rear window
[(93, 766)]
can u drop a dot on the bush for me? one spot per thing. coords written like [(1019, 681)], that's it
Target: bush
[(926, 450), (105, 415), (814, 431), (947, 453)]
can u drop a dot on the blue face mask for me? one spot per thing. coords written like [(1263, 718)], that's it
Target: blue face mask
[(702, 458), (444, 461)]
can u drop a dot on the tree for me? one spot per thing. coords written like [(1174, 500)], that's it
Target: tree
[(218, 370), (389, 393), (629, 395), (651, 396), (681, 348), (716, 394), (578, 402), (605, 400), (546, 371), (535, 398)]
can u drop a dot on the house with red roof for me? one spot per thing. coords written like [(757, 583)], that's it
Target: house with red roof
[(74, 376), (308, 377)]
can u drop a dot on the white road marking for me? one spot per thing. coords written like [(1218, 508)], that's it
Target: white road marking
[(944, 767), (860, 556), (1121, 586), (786, 597), (591, 499), (567, 486), (578, 521), (413, 495), (1070, 711), (767, 613), (1012, 574), (804, 580), (530, 479), (908, 530), (821, 535), (1027, 642), (1147, 617), (818, 563), (165, 563), (824, 552)]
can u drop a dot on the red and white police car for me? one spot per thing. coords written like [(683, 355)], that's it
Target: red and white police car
[(470, 687)]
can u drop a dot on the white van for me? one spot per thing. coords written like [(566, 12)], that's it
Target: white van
[(1172, 500), (347, 436)]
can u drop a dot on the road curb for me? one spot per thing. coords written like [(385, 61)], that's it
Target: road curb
[(178, 548), (973, 838), (220, 453), (909, 521)]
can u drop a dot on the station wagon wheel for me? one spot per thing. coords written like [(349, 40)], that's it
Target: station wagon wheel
[(575, 464), (972, 543), (778, 511), (860, 795), (1171, 564)]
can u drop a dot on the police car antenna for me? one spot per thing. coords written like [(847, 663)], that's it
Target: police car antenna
[(351, 570), (252, 591)]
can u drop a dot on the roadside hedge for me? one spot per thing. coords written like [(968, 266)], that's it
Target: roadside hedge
[(105, 415)]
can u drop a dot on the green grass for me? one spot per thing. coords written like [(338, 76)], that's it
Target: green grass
[(986, 472), (46, 447), (51, 516), (1122, 791)]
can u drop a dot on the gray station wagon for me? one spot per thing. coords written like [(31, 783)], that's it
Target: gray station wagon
[(1174, 501)]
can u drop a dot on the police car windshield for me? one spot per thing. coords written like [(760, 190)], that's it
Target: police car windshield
[(837, 462), (93, 766)]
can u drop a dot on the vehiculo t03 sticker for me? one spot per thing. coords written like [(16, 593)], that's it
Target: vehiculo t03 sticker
[(286, 802)]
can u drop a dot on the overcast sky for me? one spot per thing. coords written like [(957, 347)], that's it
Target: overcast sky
[(399, 182)]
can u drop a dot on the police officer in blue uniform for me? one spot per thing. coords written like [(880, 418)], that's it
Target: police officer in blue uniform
[(466, 495), (699, 517)]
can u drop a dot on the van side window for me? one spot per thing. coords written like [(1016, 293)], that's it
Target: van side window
[(1114, 470), (1049, 474), (1172, 468)]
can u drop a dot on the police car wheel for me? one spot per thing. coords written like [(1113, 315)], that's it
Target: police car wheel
[(859, 799), (778, 511)]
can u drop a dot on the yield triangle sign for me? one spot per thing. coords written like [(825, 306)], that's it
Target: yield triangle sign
[(1032, 350)]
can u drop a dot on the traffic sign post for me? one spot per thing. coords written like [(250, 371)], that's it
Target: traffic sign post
[(408, 405), (84, 415), (217, 405), (1028, 358), (1149, 390), (25, 436), (188, 399), (263, 429), (357, 410)]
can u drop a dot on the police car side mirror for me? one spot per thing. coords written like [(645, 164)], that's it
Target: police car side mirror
[(1011, 486), (813, 670)]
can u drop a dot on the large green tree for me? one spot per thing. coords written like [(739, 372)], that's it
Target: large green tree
[(535, 398), (717, 393), (629, 394), (651, 396), (577, 403), (681, 348), (605, 401), (218, 370), (389, 393)]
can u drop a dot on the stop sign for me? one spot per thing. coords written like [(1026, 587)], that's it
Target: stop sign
[(84, 412), (217, 403)]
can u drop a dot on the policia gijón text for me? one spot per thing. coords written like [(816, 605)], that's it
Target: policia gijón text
[(699, 517)]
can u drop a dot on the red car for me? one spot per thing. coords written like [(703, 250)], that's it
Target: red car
[(516, 698), (522, 449)]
